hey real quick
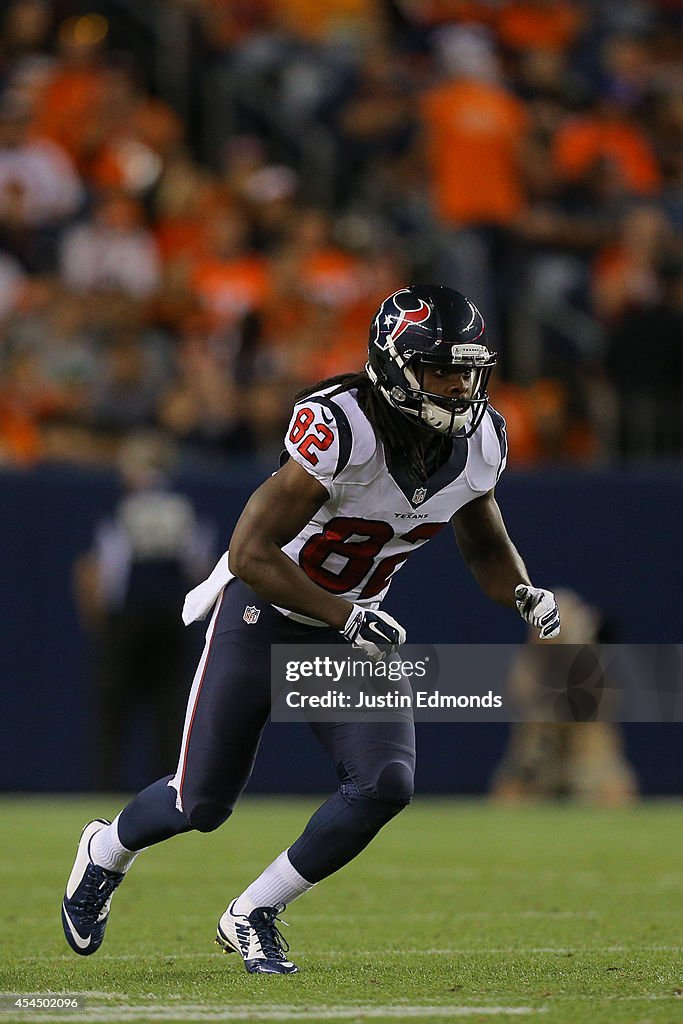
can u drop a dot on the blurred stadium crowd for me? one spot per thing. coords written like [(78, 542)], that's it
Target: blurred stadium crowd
[(203, 201)]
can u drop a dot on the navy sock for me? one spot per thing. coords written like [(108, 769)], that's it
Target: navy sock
[(151, 817)]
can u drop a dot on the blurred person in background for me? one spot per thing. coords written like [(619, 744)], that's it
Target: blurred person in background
[(625, 274), (592, 158), (24, 402), (650, 406), (138, 133), (57, 327), (607, 132), (202, 407), (582, 760), (668, 140), (39, 188), (376, 122), (473, 121), (130, 382), (25, 26), (545, 425), (232, 279), (70, 105), (112, 252), (12, 280), (182, 207), (526, 25), (330, 281), (53, 332), (129, 589), (265, 190)]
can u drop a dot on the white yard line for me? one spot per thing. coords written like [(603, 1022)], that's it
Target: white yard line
[(349, 953), (475, 914), (190, 1011), (123, 1007)]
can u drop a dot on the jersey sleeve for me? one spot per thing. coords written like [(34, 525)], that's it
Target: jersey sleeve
[(319, 438)]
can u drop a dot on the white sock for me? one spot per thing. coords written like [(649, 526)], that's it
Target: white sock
[(279, 883), (107, 851)]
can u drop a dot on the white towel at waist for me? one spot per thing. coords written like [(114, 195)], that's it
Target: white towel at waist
[(200, 601)]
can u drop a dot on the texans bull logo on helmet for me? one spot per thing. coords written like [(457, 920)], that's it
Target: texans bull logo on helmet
[(405, 318)]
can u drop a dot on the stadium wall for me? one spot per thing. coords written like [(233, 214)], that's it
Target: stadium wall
[(611, 535)]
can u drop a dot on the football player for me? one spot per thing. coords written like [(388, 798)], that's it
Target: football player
[(310, 561)]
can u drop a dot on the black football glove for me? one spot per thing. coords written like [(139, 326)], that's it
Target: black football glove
[(376, 633)]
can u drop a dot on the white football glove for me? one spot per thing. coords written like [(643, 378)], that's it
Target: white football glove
[(376, 633), (539, 609)]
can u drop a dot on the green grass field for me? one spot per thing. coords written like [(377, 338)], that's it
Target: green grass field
[(458, 910)]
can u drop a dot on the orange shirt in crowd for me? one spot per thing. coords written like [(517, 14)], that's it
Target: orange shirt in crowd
[(311, 19), (20, 440), (530, 26), (334, 279), (539, 426), (473, 134), (583, 141), (25, 400), (316, 319), (229, 289), (309, 318), (620, 282), (330, 277), (515, 405), (69, 111), (181, 238)]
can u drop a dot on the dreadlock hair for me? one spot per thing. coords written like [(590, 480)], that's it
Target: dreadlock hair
[(402, 442)]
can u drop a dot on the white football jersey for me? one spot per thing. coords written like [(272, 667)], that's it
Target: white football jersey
[(376, 515)]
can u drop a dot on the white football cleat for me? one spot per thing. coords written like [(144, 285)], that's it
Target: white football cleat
[(87, 899), (257, 939)]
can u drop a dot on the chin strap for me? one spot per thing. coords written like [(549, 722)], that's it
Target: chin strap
[(372, 375)]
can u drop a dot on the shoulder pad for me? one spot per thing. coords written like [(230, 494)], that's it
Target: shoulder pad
[(500, 428), (487, 452), (319, 437)]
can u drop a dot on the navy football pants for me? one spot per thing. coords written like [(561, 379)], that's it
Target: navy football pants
[(227, 711)]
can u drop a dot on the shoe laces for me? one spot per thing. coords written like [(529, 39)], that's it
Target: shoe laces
[(96, 893), (272, 941)]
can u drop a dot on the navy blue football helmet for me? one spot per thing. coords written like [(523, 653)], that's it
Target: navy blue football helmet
[(430, 326)]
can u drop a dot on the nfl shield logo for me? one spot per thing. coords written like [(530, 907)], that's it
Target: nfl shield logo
[(251, 614), (420, 495)]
